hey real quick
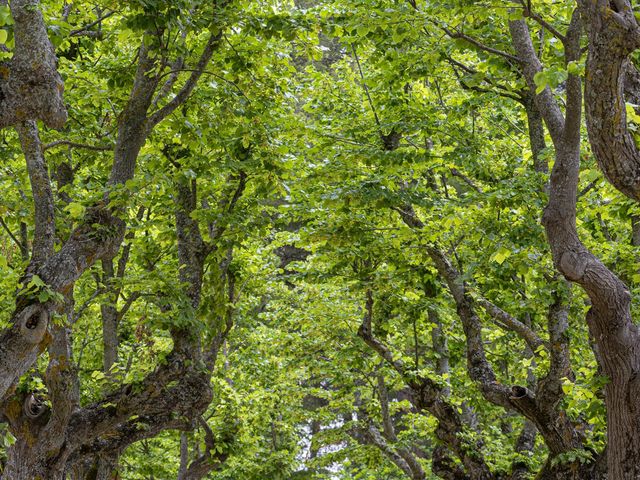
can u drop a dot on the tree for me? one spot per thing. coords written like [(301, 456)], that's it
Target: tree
[(394, 203), (542, 403), (141, 239)]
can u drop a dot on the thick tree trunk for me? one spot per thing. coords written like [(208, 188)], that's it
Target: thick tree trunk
[(609, 317), (614, 34), (67, 436), (25, 464), (33, 88)]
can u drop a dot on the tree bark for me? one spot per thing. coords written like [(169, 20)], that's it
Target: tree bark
[(30, 87), (613, 35), (109, 315), (67, 437), (609, 318)]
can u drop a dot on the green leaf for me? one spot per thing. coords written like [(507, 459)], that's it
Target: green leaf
[(36, 281), (575, 68), (76, 210), (515, 14), (43, 296), (501, 255), (541, 80)]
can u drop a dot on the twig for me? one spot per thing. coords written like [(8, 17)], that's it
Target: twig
[(480, 45), (6, 228), (456, 173), (365, 87), (82, 30)]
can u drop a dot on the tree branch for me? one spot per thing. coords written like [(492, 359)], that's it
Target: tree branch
[(33, 88), (185, 91), (549, 389), (70, 144), (573, 110), (133, 127), (88, 26), (557, 430), (45, 229), (511, 323), (527, 12), (426, 395), (605, 105), (19, 244), (530, 65), (226, 205), (473, 41)]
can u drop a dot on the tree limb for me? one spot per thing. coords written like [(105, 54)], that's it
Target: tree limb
[(33, 88), (45, 229), (70, 144), (511, 323), (184, 93)]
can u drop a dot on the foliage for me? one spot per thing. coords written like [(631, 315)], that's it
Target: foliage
[(339, 114)]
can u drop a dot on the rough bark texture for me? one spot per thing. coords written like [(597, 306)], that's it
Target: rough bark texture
[(68, 437), (30, 86), (45, 229), (535, 127), (109, 315), (524, 445), (613, 35)]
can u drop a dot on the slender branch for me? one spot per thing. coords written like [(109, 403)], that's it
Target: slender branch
[(527, 12), (174, 73), (127, 305), (511, 323), (226, 205), (478, 44), (86, 304), (13, 237), (185, 92), (502, 90), (166, 87), (88, 26), (70, 144), (588, 188), (456, 173), (366, 333), (364, 85)]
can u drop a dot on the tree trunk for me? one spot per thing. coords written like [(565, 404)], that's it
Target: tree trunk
[(26, 463), (614, 34)]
